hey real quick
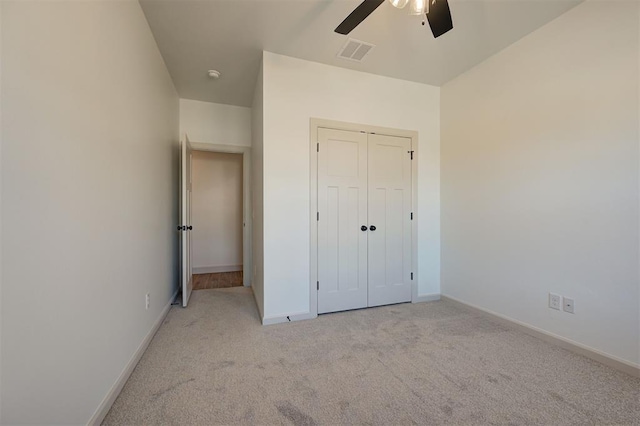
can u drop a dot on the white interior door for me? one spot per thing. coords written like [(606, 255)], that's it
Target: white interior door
[(389, 210), (342, 211), (186, 160)]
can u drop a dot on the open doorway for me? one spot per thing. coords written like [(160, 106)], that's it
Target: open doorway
[(219, 215), (216, 211)]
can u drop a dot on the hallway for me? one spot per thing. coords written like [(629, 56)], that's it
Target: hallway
[(217, 280)]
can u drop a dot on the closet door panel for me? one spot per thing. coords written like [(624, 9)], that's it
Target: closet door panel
[(342, 208), (389, 210)]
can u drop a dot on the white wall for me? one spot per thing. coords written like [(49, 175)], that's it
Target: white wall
[(540, 179), (257, 172), (1, 95), (296, 90), (217, 212), (220, 124), (89, 172)]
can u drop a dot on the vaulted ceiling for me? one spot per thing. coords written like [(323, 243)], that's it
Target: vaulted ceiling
[(229, 35)]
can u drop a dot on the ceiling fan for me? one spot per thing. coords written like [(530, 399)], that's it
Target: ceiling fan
[(437, 12)]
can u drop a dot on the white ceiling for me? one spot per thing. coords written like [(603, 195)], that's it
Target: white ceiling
[(229, 35)]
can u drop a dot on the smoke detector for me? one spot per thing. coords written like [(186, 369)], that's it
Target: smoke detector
[(214, 74), (355, 50)]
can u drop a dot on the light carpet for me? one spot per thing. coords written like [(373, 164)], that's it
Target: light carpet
[(427, 363)]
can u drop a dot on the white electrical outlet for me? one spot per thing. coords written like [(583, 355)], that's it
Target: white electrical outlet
[(567, 305), (555, 301), (147, 301)]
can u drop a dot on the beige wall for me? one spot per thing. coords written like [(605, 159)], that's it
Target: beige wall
[(1, 95), (257, 191), (89, 202), (217, 212), (540, 179), (220, 124)]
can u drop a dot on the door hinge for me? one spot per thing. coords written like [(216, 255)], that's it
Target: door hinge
[(317, 216), (317, 285), (411, 152), (411, 215), (412, 276), (318, 147)]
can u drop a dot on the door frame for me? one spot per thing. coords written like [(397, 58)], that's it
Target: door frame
[(314, 125), (245, 151)]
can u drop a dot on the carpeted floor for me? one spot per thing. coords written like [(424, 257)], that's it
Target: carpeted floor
[(427, 363)]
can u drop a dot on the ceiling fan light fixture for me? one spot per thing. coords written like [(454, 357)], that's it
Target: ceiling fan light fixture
[(437, 12), (418, 7), (399, 3)]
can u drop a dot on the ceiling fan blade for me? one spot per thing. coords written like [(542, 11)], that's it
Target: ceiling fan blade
[(359, 14), (439, 17)]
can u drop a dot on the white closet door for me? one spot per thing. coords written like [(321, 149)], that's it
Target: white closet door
[(342, 208), (389, 220)]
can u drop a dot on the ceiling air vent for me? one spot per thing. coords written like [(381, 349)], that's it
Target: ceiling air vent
[(355, 50)]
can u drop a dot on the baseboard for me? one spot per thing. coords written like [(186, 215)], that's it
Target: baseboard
[(109, 399), (279, 319), (426, 298), (217, 269), (575, 347)]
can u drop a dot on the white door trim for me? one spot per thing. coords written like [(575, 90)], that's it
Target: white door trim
[(186, 266), (246, 199), (314, 124)]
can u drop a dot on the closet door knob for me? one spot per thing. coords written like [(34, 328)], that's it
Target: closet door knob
[(189, 228), (372, 227), (363, 228)]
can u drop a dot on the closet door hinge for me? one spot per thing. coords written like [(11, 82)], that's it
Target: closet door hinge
[(411, 215), (317, 285), (412, 276), (317, 216), (318, 147), (410, 152)]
